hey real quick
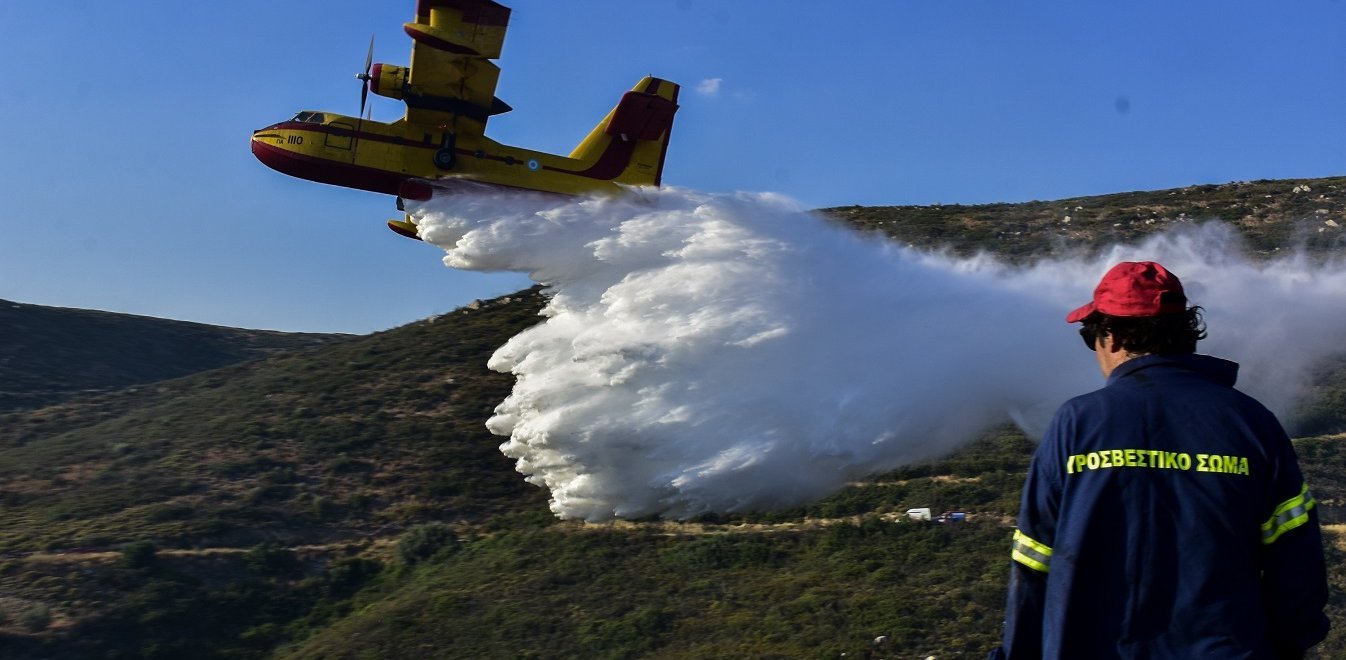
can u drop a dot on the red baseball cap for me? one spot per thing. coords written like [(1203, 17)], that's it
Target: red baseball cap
[(1135, 288)]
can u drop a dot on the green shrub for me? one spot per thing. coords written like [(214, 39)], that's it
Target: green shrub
[(268, 559), (141, 554), (425, 541), (36, 618)]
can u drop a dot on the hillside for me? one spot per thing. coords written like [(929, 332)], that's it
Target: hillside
[(217, 478), (50, 354), (1270, 216), (346, 501), (313, 446)]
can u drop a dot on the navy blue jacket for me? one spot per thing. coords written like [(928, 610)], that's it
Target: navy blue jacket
[(1165, 516)]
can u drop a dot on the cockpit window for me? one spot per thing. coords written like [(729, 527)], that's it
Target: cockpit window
[(310, 117)]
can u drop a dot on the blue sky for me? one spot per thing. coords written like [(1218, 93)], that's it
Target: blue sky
[(128, 184)]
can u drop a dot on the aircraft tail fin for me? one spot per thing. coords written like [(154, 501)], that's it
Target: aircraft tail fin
[(629, 145)]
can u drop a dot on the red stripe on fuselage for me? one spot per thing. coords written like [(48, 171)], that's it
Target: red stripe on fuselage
[(610, 164), (345, 132), (323, 170), (326, 129), (458, 185)]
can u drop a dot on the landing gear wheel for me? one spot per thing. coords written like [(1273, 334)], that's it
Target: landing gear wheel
[(444, 158)]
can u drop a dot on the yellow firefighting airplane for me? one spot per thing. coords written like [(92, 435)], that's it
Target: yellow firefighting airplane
[(440, 142)]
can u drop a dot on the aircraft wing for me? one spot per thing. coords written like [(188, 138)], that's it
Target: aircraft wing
[(452, 80)]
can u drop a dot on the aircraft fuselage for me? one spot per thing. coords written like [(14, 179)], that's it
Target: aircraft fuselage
[(378, 157)]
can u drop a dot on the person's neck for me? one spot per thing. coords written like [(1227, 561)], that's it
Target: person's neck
[(1110, 357)]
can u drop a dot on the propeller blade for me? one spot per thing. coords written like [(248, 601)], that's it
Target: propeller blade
[(369, 58), (364, 97)]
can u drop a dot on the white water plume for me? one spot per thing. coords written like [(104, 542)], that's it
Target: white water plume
[(725, 352)]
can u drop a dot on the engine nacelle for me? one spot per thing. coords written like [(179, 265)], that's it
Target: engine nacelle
[(389, 80)]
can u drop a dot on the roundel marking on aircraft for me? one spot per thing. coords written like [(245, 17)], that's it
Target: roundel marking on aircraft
[(533, 165)]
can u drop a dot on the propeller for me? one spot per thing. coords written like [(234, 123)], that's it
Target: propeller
[(364, 77), (364, 96)]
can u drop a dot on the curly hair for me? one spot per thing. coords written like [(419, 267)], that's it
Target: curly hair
[(1150, 335)]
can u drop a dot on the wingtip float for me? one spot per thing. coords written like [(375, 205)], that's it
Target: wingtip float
[(449, 90)]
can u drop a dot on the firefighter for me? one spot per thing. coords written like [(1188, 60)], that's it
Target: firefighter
[(1164, 515)]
